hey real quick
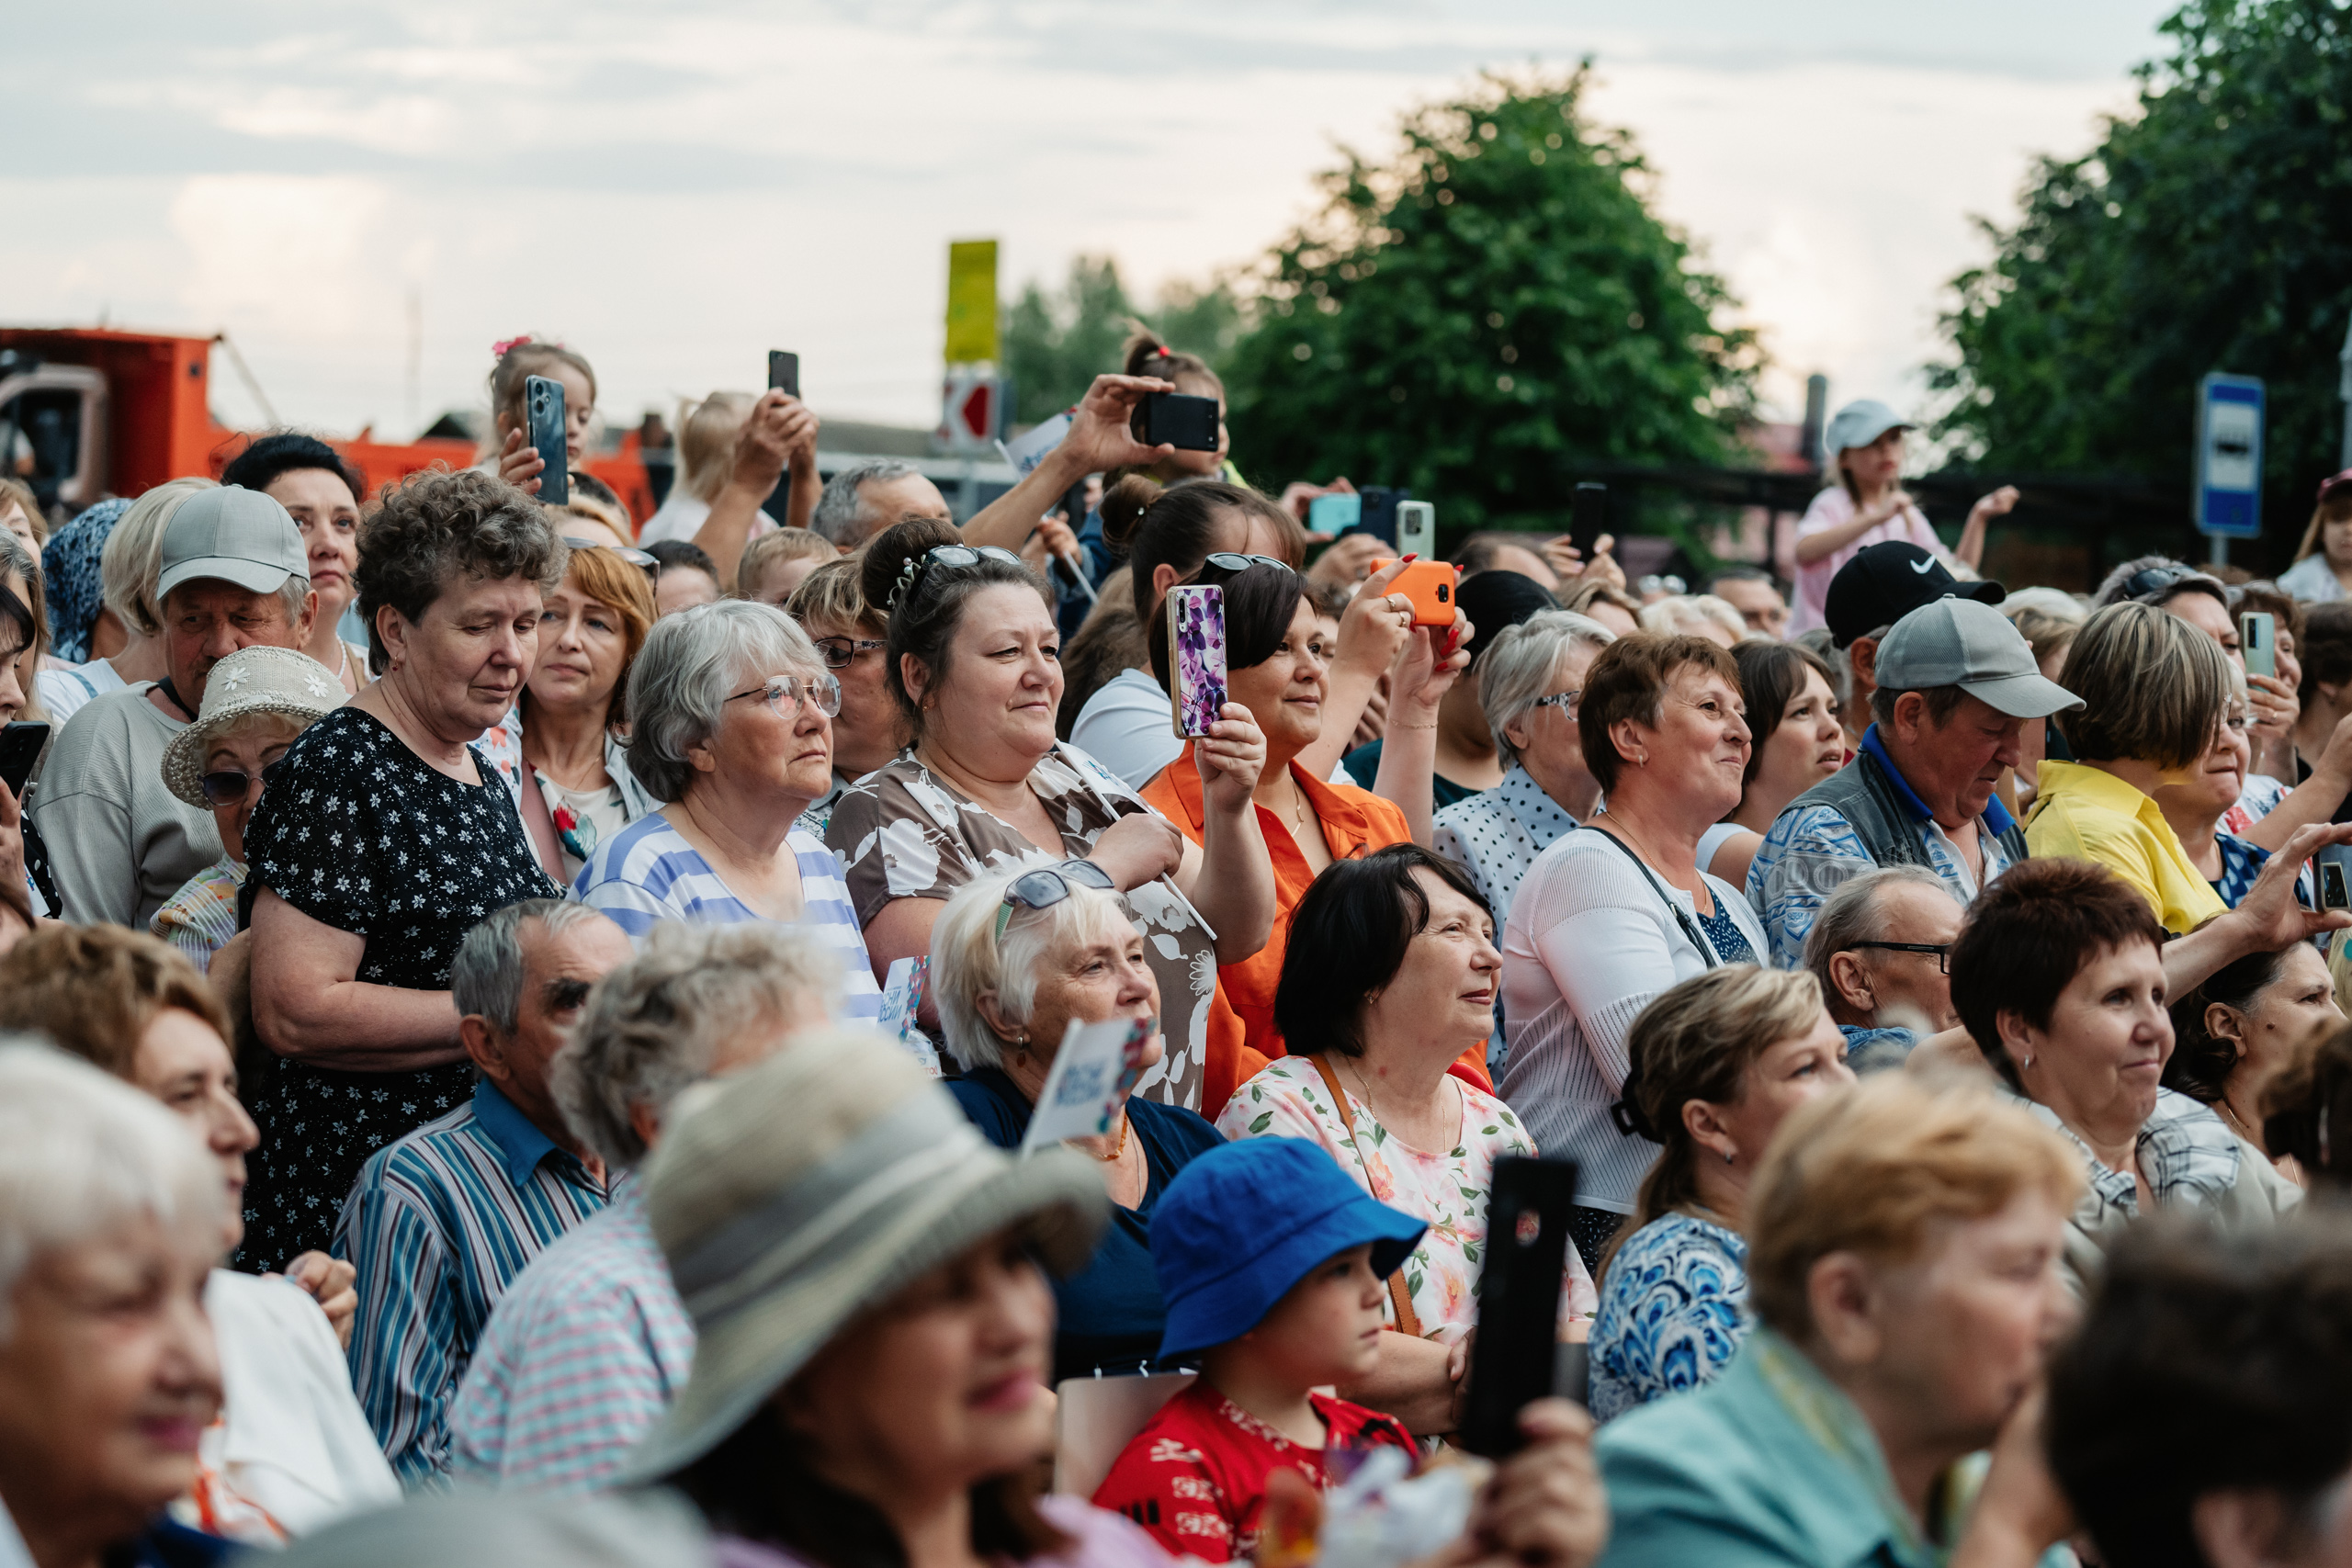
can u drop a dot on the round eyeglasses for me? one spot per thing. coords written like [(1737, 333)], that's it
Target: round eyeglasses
[(787, 692), (1048, 885)]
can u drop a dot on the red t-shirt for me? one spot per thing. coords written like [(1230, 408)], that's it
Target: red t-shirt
[(1196, 1476)]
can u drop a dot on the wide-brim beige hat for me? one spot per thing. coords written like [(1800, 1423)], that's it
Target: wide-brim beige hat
[(794, 1196), (250, 681)]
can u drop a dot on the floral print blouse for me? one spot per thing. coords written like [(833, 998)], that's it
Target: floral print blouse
[(1673, 1312), (1448, 1189)]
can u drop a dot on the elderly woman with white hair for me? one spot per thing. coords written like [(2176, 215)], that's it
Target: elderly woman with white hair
[(1017, 957), (1529, 681), (112, 1214), (731, 725)]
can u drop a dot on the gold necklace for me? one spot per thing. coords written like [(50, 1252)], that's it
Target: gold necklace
[(1126, 1124)]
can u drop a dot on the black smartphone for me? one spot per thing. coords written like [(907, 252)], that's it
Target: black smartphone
[(21, 746), (1513, 1361), (1377, 516), (1176, 419), (784, 372), (543, 402), (1589, 520), (2332, 891)]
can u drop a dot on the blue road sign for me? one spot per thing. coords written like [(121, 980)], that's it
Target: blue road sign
[(2228, 456)]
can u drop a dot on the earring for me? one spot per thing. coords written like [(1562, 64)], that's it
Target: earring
[(2029, 1061), (1729, 1156)]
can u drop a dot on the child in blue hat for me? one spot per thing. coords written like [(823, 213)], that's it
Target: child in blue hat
[(1273, 1266)]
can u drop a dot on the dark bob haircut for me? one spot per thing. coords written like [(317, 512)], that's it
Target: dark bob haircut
[(1347, 938), (435, 527), (283, 452), (1771, 674), (2201, 1061), (1259, 604), (2027, 936), (2209, 1361)]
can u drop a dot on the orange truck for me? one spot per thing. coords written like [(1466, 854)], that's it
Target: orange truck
[(102, 412)]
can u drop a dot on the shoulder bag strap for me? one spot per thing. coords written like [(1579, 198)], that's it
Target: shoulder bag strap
[(1407, 1322), (539, 824), (1681, 916)]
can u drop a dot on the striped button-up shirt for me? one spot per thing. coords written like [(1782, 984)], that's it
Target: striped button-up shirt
[(439, 1225), (581, 1359)]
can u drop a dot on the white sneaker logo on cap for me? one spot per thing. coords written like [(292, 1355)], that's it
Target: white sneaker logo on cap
[(1921, 566)]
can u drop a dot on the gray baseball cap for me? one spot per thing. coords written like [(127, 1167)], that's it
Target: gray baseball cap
[(1960, 642), (232, 534), (1859, 424)]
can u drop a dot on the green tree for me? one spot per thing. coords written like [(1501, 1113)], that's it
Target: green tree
[(1055, 345), (2211, 230), (1493, 301)]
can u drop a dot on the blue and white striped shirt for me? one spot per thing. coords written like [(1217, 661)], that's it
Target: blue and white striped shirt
[(648, 872), (439, 1225)]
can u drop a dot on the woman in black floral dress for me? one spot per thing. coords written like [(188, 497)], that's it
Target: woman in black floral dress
[(383, 838)]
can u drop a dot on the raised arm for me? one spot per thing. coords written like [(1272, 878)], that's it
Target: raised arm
[(1408, 746), (1098, 441), (1230, 877), (779, 431)]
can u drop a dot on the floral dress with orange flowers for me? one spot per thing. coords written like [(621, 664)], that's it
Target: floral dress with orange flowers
[(1288, 1099)]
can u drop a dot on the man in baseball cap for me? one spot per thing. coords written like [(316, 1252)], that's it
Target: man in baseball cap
[(233, 574), (1880, 586), (1957, 685)]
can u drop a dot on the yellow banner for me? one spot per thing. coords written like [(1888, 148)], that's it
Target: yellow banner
[(971, 302)]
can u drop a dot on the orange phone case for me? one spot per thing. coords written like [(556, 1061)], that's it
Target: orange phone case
[(1429, 584)]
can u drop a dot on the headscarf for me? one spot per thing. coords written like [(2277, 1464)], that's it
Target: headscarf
[(70, 566)]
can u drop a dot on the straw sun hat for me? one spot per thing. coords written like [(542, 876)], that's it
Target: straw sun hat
[(792, 1197), (250, 681)]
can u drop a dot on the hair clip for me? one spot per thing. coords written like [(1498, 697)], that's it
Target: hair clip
[(906, 580), (501, 349)]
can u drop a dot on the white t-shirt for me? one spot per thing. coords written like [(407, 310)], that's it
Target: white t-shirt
[(1126, 728)]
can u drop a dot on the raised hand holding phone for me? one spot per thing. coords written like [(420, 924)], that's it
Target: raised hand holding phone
[(543, 409), (1195, 659)]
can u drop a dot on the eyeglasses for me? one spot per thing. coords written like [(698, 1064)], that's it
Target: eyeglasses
[(1227, 561), (1048, 885), (644, 561), (1564, 701), (1942, 950), (784, 692), (2156, 580), (229, 786), (841, 652), (955, 558)]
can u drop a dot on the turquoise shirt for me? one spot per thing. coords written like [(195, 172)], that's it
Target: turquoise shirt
[(1769, 1463)]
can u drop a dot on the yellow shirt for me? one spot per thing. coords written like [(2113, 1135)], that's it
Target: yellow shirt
[(2080, 813)]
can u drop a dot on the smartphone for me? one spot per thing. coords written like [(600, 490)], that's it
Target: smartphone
[(784, 372), (1331, 514), (1590, 519), (2258, 639), (1416, 529), (1378, 515), (1512, 1361), (543, 402), (21, 746), (1195, 659), (1177, 419), (1429, 584), (2332, 894)]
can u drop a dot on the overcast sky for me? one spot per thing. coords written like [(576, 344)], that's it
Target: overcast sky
[(674, 188)]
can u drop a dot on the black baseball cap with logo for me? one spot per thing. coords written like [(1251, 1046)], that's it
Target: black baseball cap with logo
[(1887, 582)]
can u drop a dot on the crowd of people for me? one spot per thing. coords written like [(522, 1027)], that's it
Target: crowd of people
[(530, 1027)]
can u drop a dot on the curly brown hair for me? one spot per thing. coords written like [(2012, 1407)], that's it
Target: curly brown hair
[(434, 527)]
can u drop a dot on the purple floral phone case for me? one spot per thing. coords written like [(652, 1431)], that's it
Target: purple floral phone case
[(1195, 657)]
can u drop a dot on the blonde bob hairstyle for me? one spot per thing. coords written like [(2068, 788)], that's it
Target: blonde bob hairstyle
[(132, 558), (967, 961), (2153, 687), (829, 597), (1871, 1169)]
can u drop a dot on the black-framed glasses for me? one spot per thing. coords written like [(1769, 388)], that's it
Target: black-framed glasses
[(227, 786), (644, 561), (1942, 950), (784, 692), (841, 652), (955, 558), (2156, 580), (1048, 885), (1227, 560), (1564, 701)]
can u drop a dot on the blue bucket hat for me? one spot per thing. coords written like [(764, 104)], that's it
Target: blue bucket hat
[(1244, 1221)]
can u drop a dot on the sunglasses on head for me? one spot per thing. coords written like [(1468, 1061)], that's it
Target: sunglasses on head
[(2156, 580), (1048, 885), (644, 561), (955, 558), (1227, 561), (229, 786)]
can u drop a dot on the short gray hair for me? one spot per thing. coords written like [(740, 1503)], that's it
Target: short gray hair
[(1854, 913), (692, 662), (486, 977), (82, 1153), (841, 514), (654, 1025), (968, 958), (1517, 666)]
